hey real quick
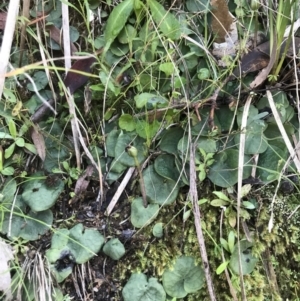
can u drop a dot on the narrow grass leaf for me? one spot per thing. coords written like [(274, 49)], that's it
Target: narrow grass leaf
[(222, 267)]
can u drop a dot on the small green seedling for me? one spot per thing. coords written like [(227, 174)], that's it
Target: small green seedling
[(17, 137)]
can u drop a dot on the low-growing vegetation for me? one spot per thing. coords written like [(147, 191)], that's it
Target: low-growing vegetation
[(149, 150)]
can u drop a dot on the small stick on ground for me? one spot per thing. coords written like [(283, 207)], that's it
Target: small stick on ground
[(119, 191), (194, 197)]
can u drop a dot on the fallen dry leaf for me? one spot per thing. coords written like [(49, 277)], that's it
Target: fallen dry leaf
[(82, 184), (221, 20), (39, 143), (262, 76), (74, 80), (55, 35), (251, 62), (259, 57)]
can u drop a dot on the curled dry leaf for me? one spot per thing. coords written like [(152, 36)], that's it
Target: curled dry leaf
[(259, 57), (75, 80), (251, 62)]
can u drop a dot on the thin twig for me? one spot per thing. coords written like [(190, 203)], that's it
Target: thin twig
[(239, 186), (12, 14), (194, 197), (283, 131), (66, 33), (119, 191)]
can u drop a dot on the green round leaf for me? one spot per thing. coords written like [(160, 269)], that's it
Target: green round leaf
[(167, 68), (111, 141), (8, 191), (224, 170), (29, 227), (36, 224), (256, 142), (126, 122), (115, 172), (225, 117), (203, 73), (40, 80), (184, 277), (55, 11), (84, 244), (9, 96), (170, 139), (8, 171), (114, 249), (119, 49), (138, 288), (74, 34), (165, 166), (20, 142), (247, 259), (126, 139), (40, 196), (271, 161), (60, 240), (141, 216), (158, 230), (158, 189)]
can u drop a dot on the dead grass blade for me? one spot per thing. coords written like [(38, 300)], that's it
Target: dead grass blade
[(239, 185), (193, 193), (119, 191), (12, 15), (283, 132), (39, 143)]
